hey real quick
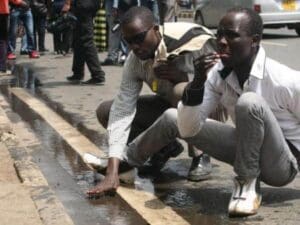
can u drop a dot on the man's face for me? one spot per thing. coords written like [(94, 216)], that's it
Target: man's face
[(235, 45), (143, 40)]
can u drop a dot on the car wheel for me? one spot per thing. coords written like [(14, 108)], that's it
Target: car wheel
[(198, 18), (298, 31)]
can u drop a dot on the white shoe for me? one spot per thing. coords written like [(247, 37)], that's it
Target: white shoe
[(95, 162), (245, 199), (5, 73)]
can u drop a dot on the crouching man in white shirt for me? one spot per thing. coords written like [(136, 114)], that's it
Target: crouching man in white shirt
[(262, 97)]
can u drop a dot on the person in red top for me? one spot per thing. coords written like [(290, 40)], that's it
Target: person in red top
[(4, 12)]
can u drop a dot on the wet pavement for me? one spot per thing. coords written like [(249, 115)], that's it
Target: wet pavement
[(198, 203)]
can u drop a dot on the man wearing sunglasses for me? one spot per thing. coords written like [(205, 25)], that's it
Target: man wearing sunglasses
[(162, 58), (262, 97)]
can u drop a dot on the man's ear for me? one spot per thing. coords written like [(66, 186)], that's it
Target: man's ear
[(255, 40), (156, 27)]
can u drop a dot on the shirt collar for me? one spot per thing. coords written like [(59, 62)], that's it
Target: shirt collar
[(258, 66)]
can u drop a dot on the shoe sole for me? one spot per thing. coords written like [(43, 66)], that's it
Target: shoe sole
[(97, 84), (237, 213), (196, 178)]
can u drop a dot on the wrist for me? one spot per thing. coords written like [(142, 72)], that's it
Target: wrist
[(197, 84), (113, 166)]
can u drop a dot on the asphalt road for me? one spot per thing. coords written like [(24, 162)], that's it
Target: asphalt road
[(283, 46)]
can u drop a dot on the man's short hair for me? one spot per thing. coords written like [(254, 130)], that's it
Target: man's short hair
[(254, 23), (138, 12)]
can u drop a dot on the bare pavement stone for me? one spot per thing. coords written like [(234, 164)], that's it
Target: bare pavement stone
[(16, 205)]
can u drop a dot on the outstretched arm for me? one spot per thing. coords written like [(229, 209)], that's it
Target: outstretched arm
[(110, 182)]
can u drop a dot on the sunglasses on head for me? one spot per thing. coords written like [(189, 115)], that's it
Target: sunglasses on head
[(138, 38)]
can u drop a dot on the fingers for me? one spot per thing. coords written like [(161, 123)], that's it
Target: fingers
[(107, 187), (100, 191), (207, 58)]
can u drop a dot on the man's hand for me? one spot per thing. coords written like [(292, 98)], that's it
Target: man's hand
[(108, 185), (24, 5), (111, 181), (168, 71), (202, 66)]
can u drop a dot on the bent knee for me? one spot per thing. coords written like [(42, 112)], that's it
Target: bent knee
[(102, 113)]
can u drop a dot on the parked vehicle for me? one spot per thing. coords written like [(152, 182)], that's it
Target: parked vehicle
[(275, 13)]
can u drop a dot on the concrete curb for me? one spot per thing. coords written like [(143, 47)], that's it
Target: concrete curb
[(25, 185)]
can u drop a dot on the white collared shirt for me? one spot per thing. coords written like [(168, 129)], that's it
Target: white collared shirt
[(276, 83)]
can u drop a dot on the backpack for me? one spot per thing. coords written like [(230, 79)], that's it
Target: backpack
[(186, 42)]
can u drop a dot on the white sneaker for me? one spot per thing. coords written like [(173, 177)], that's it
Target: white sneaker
[(95, 162), (5, 73), (245, 199)]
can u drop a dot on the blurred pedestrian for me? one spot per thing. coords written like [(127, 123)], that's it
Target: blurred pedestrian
[(23, 13), (117, 49), (4, 13), (40, 11), (85, 50), (63, 40)]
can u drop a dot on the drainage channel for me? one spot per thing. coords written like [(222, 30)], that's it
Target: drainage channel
[(69, 177)]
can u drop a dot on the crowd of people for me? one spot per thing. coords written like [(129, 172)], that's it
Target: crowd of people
[(193, 74)]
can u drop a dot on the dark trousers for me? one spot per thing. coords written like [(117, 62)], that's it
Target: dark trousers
[(85, 50), (3, 40), (40, 31)]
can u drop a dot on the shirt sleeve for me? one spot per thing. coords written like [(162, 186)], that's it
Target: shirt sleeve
[(191, 117), (124, 107)]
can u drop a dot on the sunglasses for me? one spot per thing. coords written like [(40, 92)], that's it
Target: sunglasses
[(138, 38)]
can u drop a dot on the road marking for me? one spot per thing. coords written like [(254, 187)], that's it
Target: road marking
[(154, 211), (273, 43)]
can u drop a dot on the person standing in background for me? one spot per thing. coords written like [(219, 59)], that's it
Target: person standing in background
[(40, 11), (23, 13), (85, 50), (4, 13), (167, 10), (114, 10)]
